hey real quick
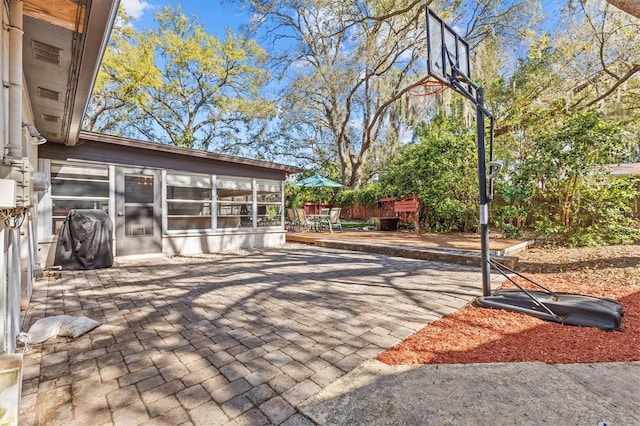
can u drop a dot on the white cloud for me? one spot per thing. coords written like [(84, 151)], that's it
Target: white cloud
[(135, 8)]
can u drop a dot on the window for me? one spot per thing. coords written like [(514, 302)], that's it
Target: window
[(269, 202), (77, 187), (235, 202), (188, 202)]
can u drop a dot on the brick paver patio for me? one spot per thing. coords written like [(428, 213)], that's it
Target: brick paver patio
[(240, 338)]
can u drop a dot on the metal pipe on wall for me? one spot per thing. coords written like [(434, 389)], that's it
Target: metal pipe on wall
[(14, 288), (15, 79), (4, 291), (10, 267)]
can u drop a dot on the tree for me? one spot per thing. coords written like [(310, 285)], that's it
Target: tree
[(112, 108), (600, 56), (442, 170), (346, 66), (344, 73), (593, 61), (563, 182), (590, 63), (177, 84), (565, 158)]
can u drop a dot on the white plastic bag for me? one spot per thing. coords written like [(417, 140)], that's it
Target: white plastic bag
[(59, 325)]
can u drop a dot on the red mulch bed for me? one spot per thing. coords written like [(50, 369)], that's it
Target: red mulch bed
[(482, 335)]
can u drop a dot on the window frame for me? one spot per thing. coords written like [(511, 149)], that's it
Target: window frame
[(199, 222)]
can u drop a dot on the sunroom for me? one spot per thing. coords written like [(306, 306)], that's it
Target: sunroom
[(162, 199)]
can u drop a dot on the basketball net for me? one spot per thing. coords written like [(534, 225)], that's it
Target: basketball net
[(428, 87)]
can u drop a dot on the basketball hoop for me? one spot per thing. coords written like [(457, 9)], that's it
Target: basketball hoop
[(428, 87)]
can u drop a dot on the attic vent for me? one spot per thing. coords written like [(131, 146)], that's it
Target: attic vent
[(48, 94), (46, 52), (50, 118)]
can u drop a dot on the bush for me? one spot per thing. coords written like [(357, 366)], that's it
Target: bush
[(604, 216), (549, 232), (511, 231), (507, 218), (366, 196), (441, 169)]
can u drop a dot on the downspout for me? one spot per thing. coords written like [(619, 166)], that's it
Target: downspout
[(14, 151), (14, 147)]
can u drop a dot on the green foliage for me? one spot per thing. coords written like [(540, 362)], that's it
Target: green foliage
[(298, 195), (366, 196), (554, 140), (555, 174), (605, 215), (583, 141), (441, 170), (179, 85), (549, 232), (508, 218)]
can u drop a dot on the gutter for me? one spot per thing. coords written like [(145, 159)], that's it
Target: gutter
[(14, 147), (94, 41)]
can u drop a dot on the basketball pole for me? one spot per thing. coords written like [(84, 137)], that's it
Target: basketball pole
[(484, 199), (481, 113), (448, 62)]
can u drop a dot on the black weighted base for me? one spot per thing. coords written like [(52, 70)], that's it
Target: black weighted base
[(567, 308)]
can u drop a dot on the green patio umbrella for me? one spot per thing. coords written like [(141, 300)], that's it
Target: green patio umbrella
[(317, 181)]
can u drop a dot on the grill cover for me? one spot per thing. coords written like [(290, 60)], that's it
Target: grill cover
[(85, 241)]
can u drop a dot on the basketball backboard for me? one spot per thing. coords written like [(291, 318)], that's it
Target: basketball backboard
[(445, 48)]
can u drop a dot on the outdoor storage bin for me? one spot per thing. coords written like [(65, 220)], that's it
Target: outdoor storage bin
[(386, 223)]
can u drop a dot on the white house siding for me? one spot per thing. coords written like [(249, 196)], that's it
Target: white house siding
[(195, 244)]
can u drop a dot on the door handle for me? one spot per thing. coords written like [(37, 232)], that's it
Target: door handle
[(120, 214)]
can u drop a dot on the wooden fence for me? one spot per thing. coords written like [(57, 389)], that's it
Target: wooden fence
[(406, 209)]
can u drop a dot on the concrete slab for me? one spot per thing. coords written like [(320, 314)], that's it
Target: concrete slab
[(473, 394)]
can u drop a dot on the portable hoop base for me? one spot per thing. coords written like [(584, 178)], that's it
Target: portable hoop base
[(566, 308)]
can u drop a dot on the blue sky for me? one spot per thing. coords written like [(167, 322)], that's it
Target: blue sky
[(215, 16)]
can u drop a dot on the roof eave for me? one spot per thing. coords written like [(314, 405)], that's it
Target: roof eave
[(116, 140), (94, 43)]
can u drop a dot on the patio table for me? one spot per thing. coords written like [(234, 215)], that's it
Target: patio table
[(317, 219)]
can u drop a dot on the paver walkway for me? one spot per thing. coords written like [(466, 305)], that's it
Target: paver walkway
[(241, 338)]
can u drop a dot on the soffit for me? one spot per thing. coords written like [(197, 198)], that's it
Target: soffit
[(63, 44)]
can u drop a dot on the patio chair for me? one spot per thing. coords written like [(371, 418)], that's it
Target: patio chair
[(334, 219), (324, 211), (291, 222), (330, 219), (302, 220), (321, 220)]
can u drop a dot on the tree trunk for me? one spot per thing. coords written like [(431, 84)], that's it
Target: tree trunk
[(356, 175)]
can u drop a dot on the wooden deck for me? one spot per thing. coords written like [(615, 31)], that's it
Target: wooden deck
[(453, 248)]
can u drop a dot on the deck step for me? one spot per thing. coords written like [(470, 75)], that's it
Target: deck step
[(456, 256)]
